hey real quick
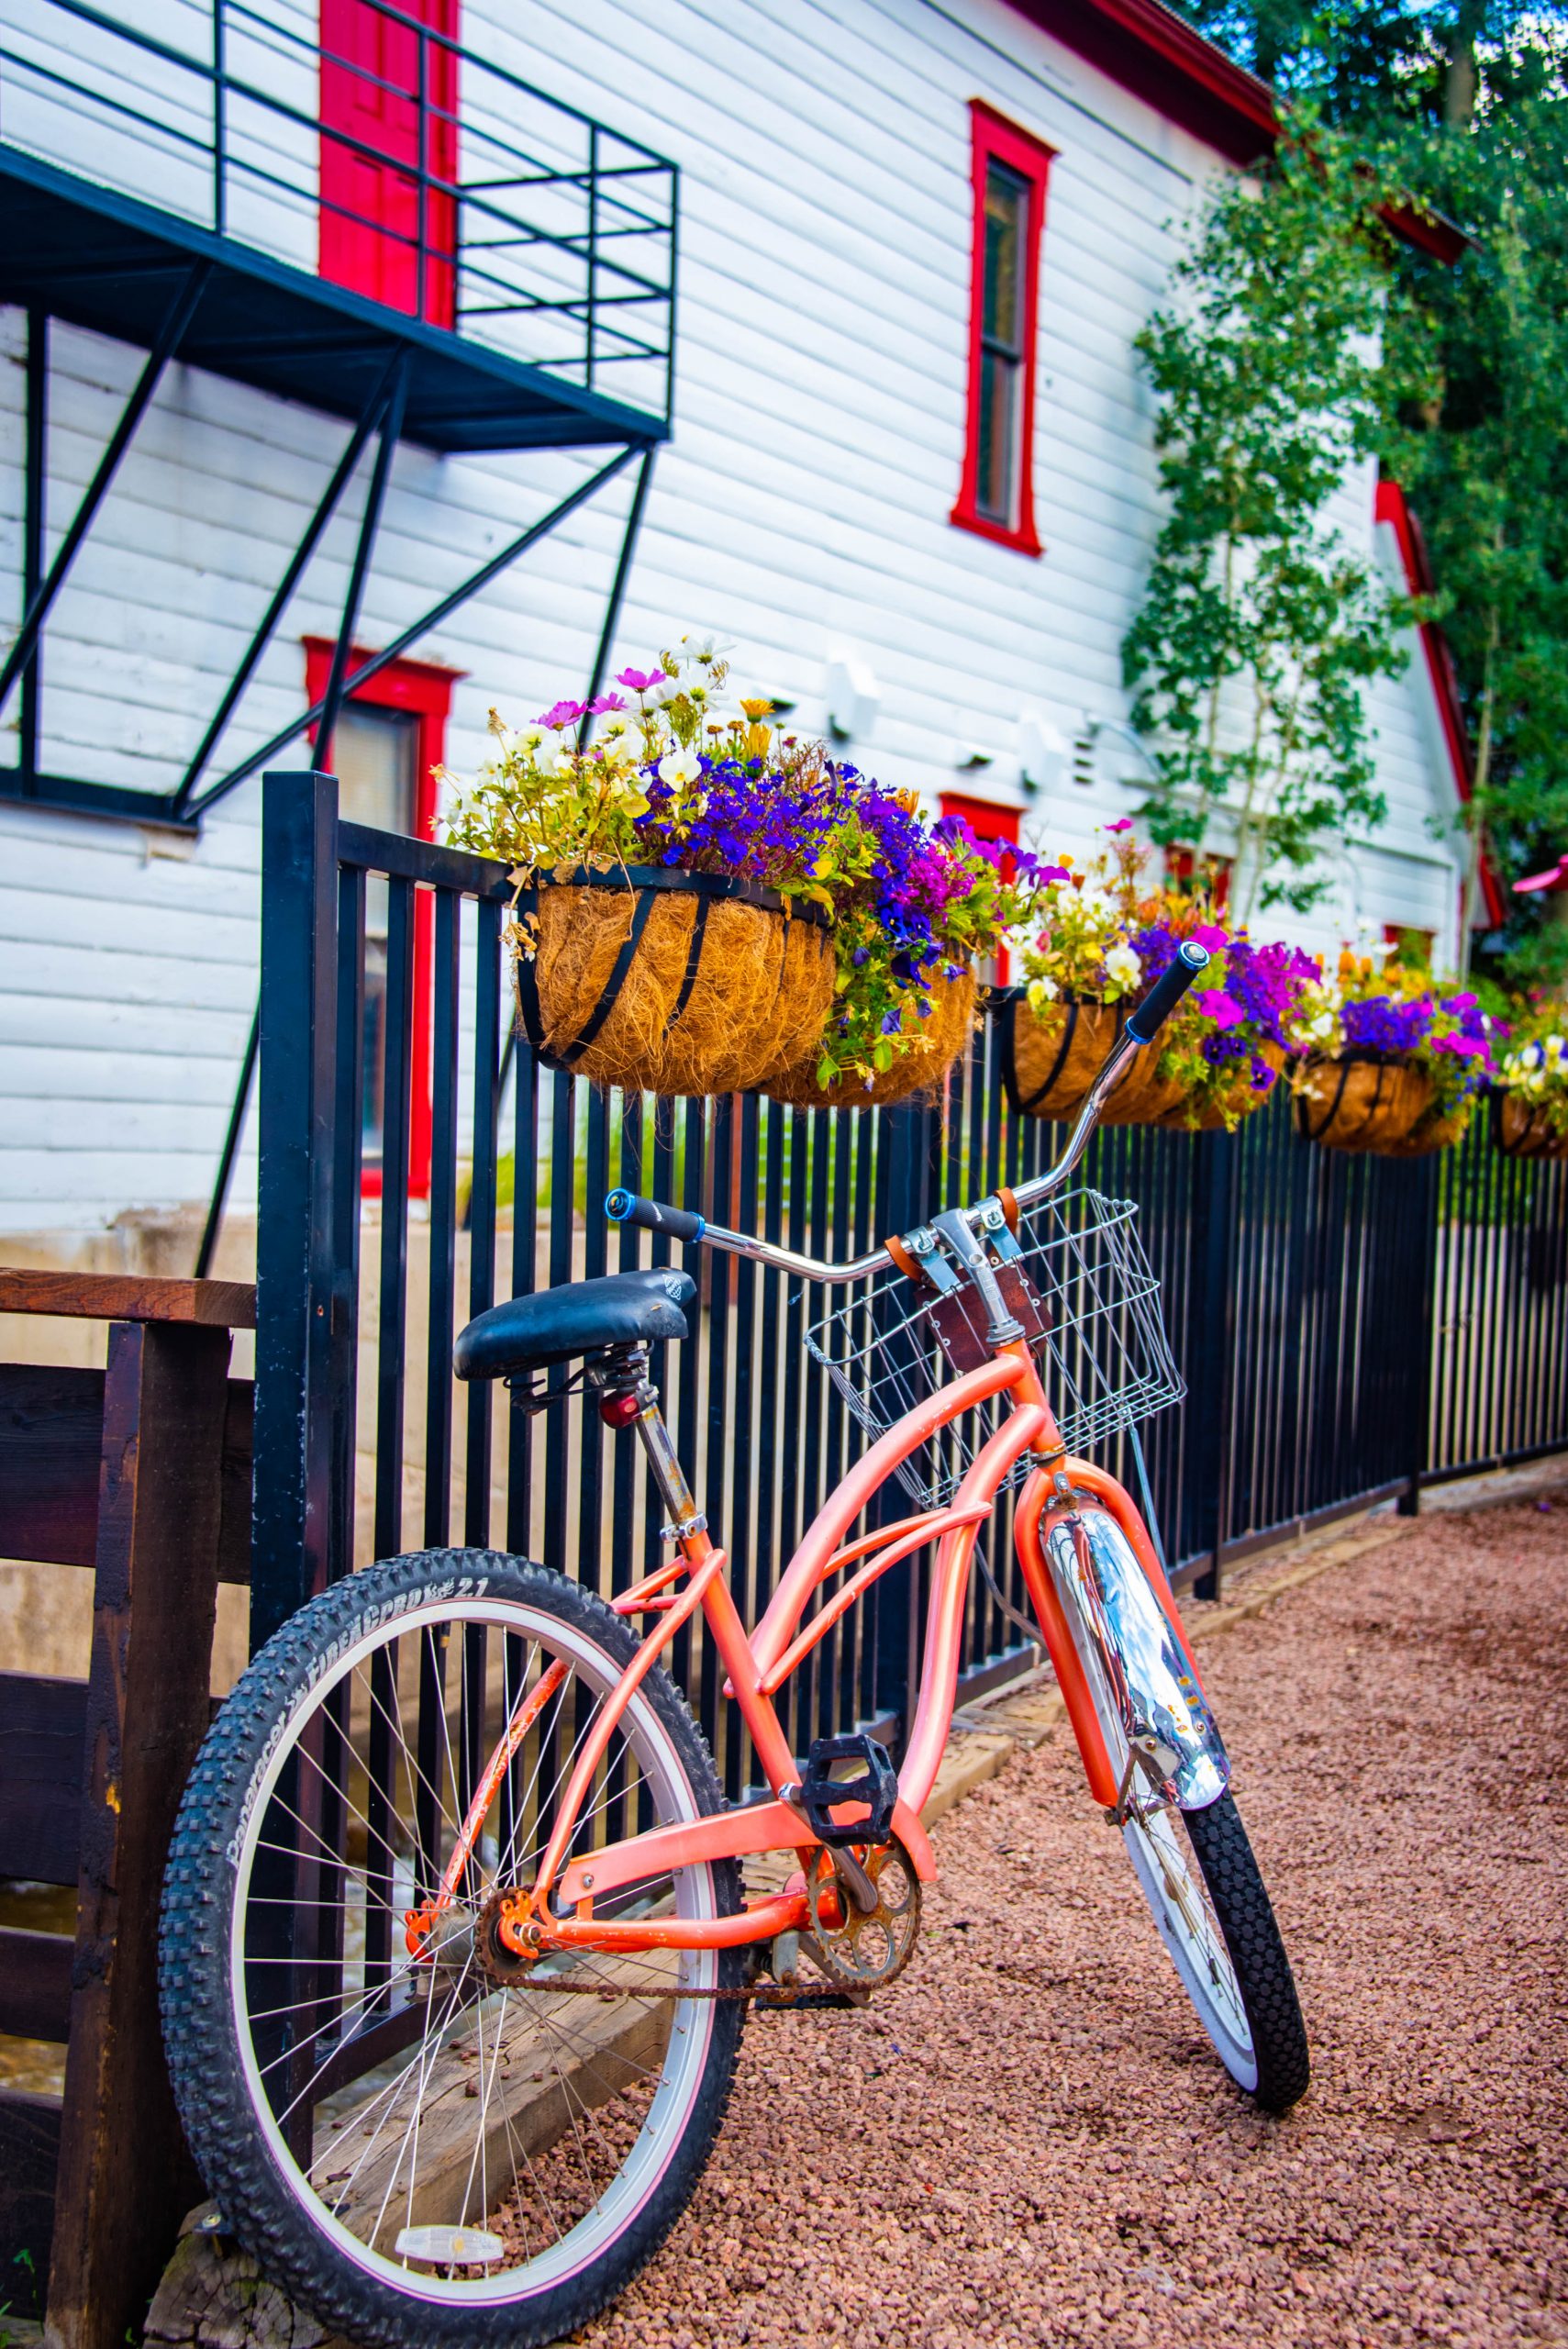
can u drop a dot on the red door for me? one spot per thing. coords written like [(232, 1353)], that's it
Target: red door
[(389, 153)]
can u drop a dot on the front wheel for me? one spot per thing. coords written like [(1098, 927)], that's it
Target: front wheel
[(432, 2145), (1209, 1901)]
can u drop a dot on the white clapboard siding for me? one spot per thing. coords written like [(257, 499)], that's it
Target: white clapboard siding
[(801, 510)]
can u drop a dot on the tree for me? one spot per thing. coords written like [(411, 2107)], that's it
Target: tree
[(1260, 626), (1470, 99)]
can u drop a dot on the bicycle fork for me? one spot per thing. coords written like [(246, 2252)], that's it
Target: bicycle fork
[(1122, 1659)]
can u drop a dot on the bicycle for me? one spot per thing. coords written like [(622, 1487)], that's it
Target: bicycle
[(455, 1948)]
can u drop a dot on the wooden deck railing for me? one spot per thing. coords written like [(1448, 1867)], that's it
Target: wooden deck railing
[(141, 1472)]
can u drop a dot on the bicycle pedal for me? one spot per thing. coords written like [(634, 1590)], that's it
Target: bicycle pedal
[(821, 1793)]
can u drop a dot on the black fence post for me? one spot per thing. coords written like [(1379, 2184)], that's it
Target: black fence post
[(1418, 1388), (1211, 1313), (292, 1512), (905, 1147)]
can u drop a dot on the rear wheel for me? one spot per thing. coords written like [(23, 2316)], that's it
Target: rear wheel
[(450, 2146)]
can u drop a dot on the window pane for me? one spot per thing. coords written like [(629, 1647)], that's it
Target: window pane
[(373, 753), (1001, 306), (999, 383)]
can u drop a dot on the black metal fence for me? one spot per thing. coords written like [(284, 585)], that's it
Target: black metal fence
[(1349, 1327)]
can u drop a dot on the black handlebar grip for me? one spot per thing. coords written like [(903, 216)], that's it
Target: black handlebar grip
[(625, 1207), (1167, 992)]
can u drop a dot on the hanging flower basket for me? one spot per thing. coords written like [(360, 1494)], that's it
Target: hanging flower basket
[(667, 982), (708, 904), (919, 1073), (1102, 935), (1524, 1128), (1529, 1093), (1379, 1102)]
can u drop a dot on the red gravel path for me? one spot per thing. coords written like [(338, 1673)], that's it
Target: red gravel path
[(1027, 2141)]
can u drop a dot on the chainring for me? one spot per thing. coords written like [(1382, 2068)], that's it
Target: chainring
[(857, 1951)]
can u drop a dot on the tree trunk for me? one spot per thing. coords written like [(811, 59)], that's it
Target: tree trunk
[(1462, 79)]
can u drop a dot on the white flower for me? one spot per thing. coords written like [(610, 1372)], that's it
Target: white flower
[(705, 650), (1557, 1046), (532, 740), (615, 727), (1322, 1028), (1123, 965), (563, 760), (682, 767), (1041, 992), (663, 694)]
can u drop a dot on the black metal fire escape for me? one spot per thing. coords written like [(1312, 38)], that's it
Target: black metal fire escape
[(530, 253)]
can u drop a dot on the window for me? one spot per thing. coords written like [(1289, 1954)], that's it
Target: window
[(388, 101), (1186, 868), (987, 821), (390, 737), (1412, 945), (996, 494)]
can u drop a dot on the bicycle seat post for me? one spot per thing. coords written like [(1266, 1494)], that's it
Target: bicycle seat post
[(628, 1398)]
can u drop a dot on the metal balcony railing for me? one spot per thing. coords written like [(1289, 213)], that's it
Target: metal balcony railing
[(370, 150)]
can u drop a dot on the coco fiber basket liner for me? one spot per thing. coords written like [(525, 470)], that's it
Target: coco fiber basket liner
[(918, 1071), (1521, 1129), (1371, 1101), (662, 981), (1048, 1063)]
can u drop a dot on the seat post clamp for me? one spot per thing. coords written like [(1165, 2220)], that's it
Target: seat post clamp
[(685, 1531)]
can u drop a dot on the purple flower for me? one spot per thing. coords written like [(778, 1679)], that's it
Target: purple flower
[(639, 681), (1052, 873), (1384, 1024), (605, 705), (1211, 936), (565, 713), (1222, 1008), (891, 1022), (1122, 824), (1262, 1075)]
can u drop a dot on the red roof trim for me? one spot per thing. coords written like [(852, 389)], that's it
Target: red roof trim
[(1392, 508)]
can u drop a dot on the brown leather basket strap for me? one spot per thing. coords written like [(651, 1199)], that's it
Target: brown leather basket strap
[(903, 1259), (1042, 1091), (617, 980), (693, 956)]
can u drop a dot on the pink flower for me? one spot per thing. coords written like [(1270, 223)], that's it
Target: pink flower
[(565, 713), (1209, 935), (605, 705), (637, 681), (1222, 1008), (1122, 824)]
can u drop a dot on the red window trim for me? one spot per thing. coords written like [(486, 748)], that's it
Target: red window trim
[(988, 820), (995, 140), (425, 689), (1391, 506)]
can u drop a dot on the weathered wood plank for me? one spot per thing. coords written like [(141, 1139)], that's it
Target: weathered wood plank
[(29, 2153), (42, 1722), (35, 1983), (160, 1514), (51, 1425), (117, 1297)]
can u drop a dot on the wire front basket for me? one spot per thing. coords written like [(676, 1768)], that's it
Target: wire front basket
[(1104, 1359)]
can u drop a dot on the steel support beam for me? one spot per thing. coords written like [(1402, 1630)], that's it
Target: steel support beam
[(286, 585), (206, 1253), (617, 585), (34, 492), (375, 499), (176, 320), (421, 627)]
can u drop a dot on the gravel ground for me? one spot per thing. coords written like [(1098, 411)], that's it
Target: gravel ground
[(1027, 2140)]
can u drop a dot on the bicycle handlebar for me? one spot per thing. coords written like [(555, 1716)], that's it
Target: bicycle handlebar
[(1142, 1027)]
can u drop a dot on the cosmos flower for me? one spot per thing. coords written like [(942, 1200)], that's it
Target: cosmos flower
[(641, 680), (564, 713)]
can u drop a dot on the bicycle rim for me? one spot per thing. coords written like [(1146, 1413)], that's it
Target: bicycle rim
[(458, 2138)]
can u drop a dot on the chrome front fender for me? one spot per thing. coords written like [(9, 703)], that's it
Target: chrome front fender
[(1146, 1693)]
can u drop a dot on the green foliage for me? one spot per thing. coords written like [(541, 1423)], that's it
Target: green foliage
[(1261, 628), (1471, 97)]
